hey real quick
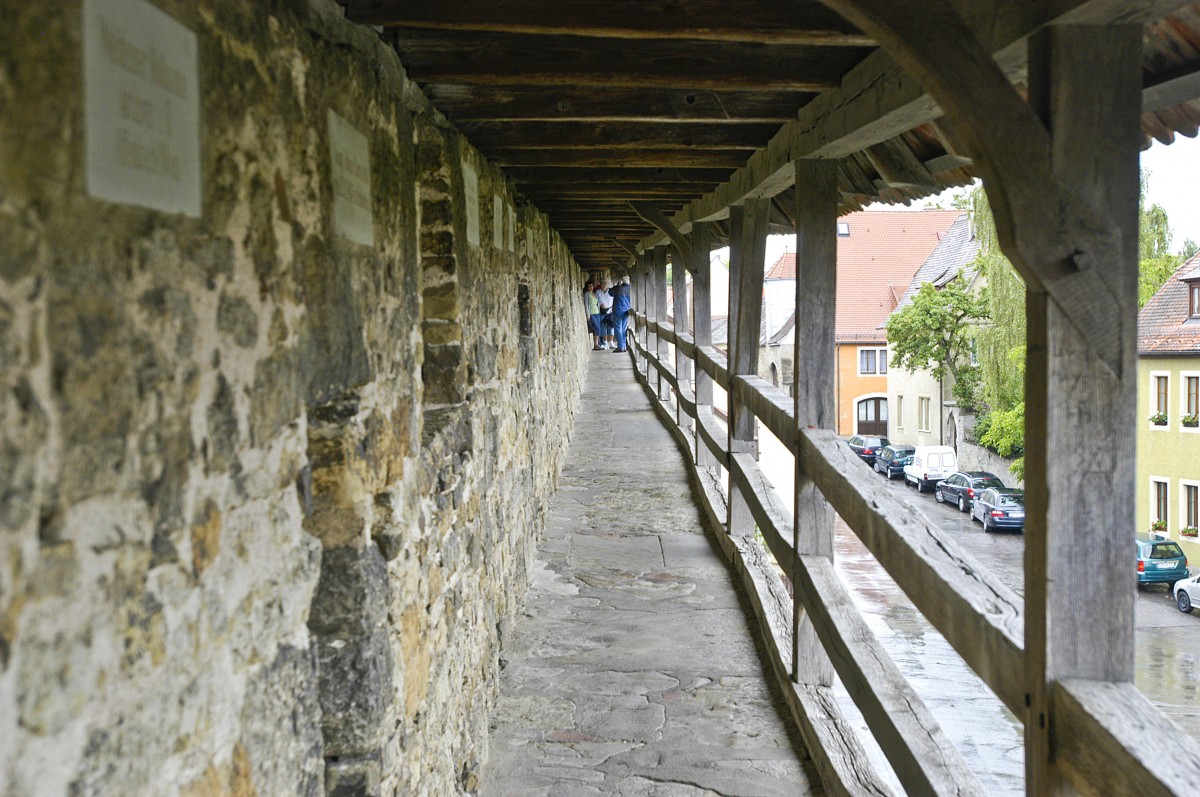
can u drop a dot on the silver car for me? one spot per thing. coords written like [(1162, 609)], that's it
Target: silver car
[(1186, 592)]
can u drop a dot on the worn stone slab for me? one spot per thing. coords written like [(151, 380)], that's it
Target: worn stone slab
[(633, 670)]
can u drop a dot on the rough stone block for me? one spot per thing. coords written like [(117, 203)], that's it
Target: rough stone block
[(236, 318)]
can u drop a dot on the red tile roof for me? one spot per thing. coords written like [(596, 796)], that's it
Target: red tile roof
[(1163, 325), (876, 262)]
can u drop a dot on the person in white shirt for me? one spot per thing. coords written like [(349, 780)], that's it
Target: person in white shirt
[(605, 300)]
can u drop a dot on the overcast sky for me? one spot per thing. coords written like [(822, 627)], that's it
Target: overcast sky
[(1174, 183)]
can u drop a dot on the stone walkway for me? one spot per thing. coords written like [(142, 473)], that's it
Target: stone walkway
[(632, 670)]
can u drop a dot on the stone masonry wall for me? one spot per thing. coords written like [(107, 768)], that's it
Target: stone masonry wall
[(268, 497)]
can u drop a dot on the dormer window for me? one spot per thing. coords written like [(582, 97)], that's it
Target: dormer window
[(1194, 300)]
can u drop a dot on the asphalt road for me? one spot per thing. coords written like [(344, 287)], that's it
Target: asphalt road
[(990, 738)]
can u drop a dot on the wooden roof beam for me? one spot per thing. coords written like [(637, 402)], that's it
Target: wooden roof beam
[(623, 135), (464, 104), (796, 22), (506, 60)]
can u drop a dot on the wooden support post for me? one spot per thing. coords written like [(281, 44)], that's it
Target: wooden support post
[(744, 336), (659, 301), (683, 325), (1086, 84), (702, 326), (646, 270), (815, 361)]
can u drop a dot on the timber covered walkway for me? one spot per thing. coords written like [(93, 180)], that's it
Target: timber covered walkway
[(632, 669)]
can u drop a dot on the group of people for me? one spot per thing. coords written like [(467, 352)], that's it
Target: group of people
[(608, 313)]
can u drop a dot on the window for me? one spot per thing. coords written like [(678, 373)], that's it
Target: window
[(1160, 393), (923, 414), (1160, 501), (1192, 401), (1191, 505), (843, 229), (872, 361), (1194, 300), (899, 412)]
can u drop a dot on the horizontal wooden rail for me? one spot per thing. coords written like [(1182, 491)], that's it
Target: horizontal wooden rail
[(713, 362), (830, 738), (714, 437), (925, 761), (981, 617), (1111, 728)]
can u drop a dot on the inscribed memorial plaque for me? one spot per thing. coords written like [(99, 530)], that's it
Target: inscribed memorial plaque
[(141, 107), (471, 190), (498, 221), (350, 166)]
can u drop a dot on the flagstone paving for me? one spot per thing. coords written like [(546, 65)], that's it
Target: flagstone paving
[(632, 670)]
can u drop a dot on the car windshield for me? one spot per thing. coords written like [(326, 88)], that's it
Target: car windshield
[(1010, 499), (1165, 550)]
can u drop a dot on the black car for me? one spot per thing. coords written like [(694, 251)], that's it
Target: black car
[(866, 447), (890, 460), (1000, 508), (962, 487)]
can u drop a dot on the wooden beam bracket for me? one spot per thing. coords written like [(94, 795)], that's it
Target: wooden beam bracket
[(659, 219)]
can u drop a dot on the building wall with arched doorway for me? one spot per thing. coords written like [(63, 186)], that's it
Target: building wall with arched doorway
[(871, 414)]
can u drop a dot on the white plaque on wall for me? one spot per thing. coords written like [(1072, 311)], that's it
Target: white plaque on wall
[(141, 107), (498, 215), (350, 167), (471, 190)]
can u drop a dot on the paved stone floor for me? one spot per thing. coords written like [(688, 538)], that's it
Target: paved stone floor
[(632, 670)]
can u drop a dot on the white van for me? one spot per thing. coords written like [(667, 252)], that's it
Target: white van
[(930, 464)]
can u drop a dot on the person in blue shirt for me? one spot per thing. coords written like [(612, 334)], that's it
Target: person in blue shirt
[(621, 304)]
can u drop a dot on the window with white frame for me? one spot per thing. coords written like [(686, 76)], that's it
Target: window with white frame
[(1159, 491), (899, 412), (1160, 401), (872, 361), (1189, 504), (1190, 399), (924, 415)]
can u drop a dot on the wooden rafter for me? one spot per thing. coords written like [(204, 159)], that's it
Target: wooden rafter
[(798, 22)]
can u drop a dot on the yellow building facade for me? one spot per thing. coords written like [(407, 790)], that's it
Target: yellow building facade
[(1168, 412)]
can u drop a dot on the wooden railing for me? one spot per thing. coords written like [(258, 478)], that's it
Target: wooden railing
[(1116, 741)]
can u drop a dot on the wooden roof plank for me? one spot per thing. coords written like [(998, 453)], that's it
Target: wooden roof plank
[(491, 136), (797, 22), (503, 59), (463, 103)]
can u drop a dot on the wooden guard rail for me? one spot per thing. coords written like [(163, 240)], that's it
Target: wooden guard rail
[(1116, 736)]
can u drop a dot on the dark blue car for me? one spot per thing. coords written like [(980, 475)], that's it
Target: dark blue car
[(890, 460), (1000, 508)]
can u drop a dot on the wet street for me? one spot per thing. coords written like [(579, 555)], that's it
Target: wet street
[(990, 738)]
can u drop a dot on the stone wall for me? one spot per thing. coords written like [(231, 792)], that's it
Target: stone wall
[(972, 456), (267, 496)]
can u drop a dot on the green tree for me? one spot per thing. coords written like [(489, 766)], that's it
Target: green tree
[(935, 332), (1155, 261), (1000, 345)]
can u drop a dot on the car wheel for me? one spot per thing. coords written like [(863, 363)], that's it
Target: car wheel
[(962, 504), (937, 495), (986, 527), (921, 486), (1184, 601)]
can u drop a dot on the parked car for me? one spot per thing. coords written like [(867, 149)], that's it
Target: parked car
[(961, 487), (866, 447), (1186, 593), (1159, 561), (1000, 508), (890, 460), (930, 464)]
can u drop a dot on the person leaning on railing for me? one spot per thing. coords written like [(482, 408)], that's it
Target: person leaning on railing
[(620, 313)]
